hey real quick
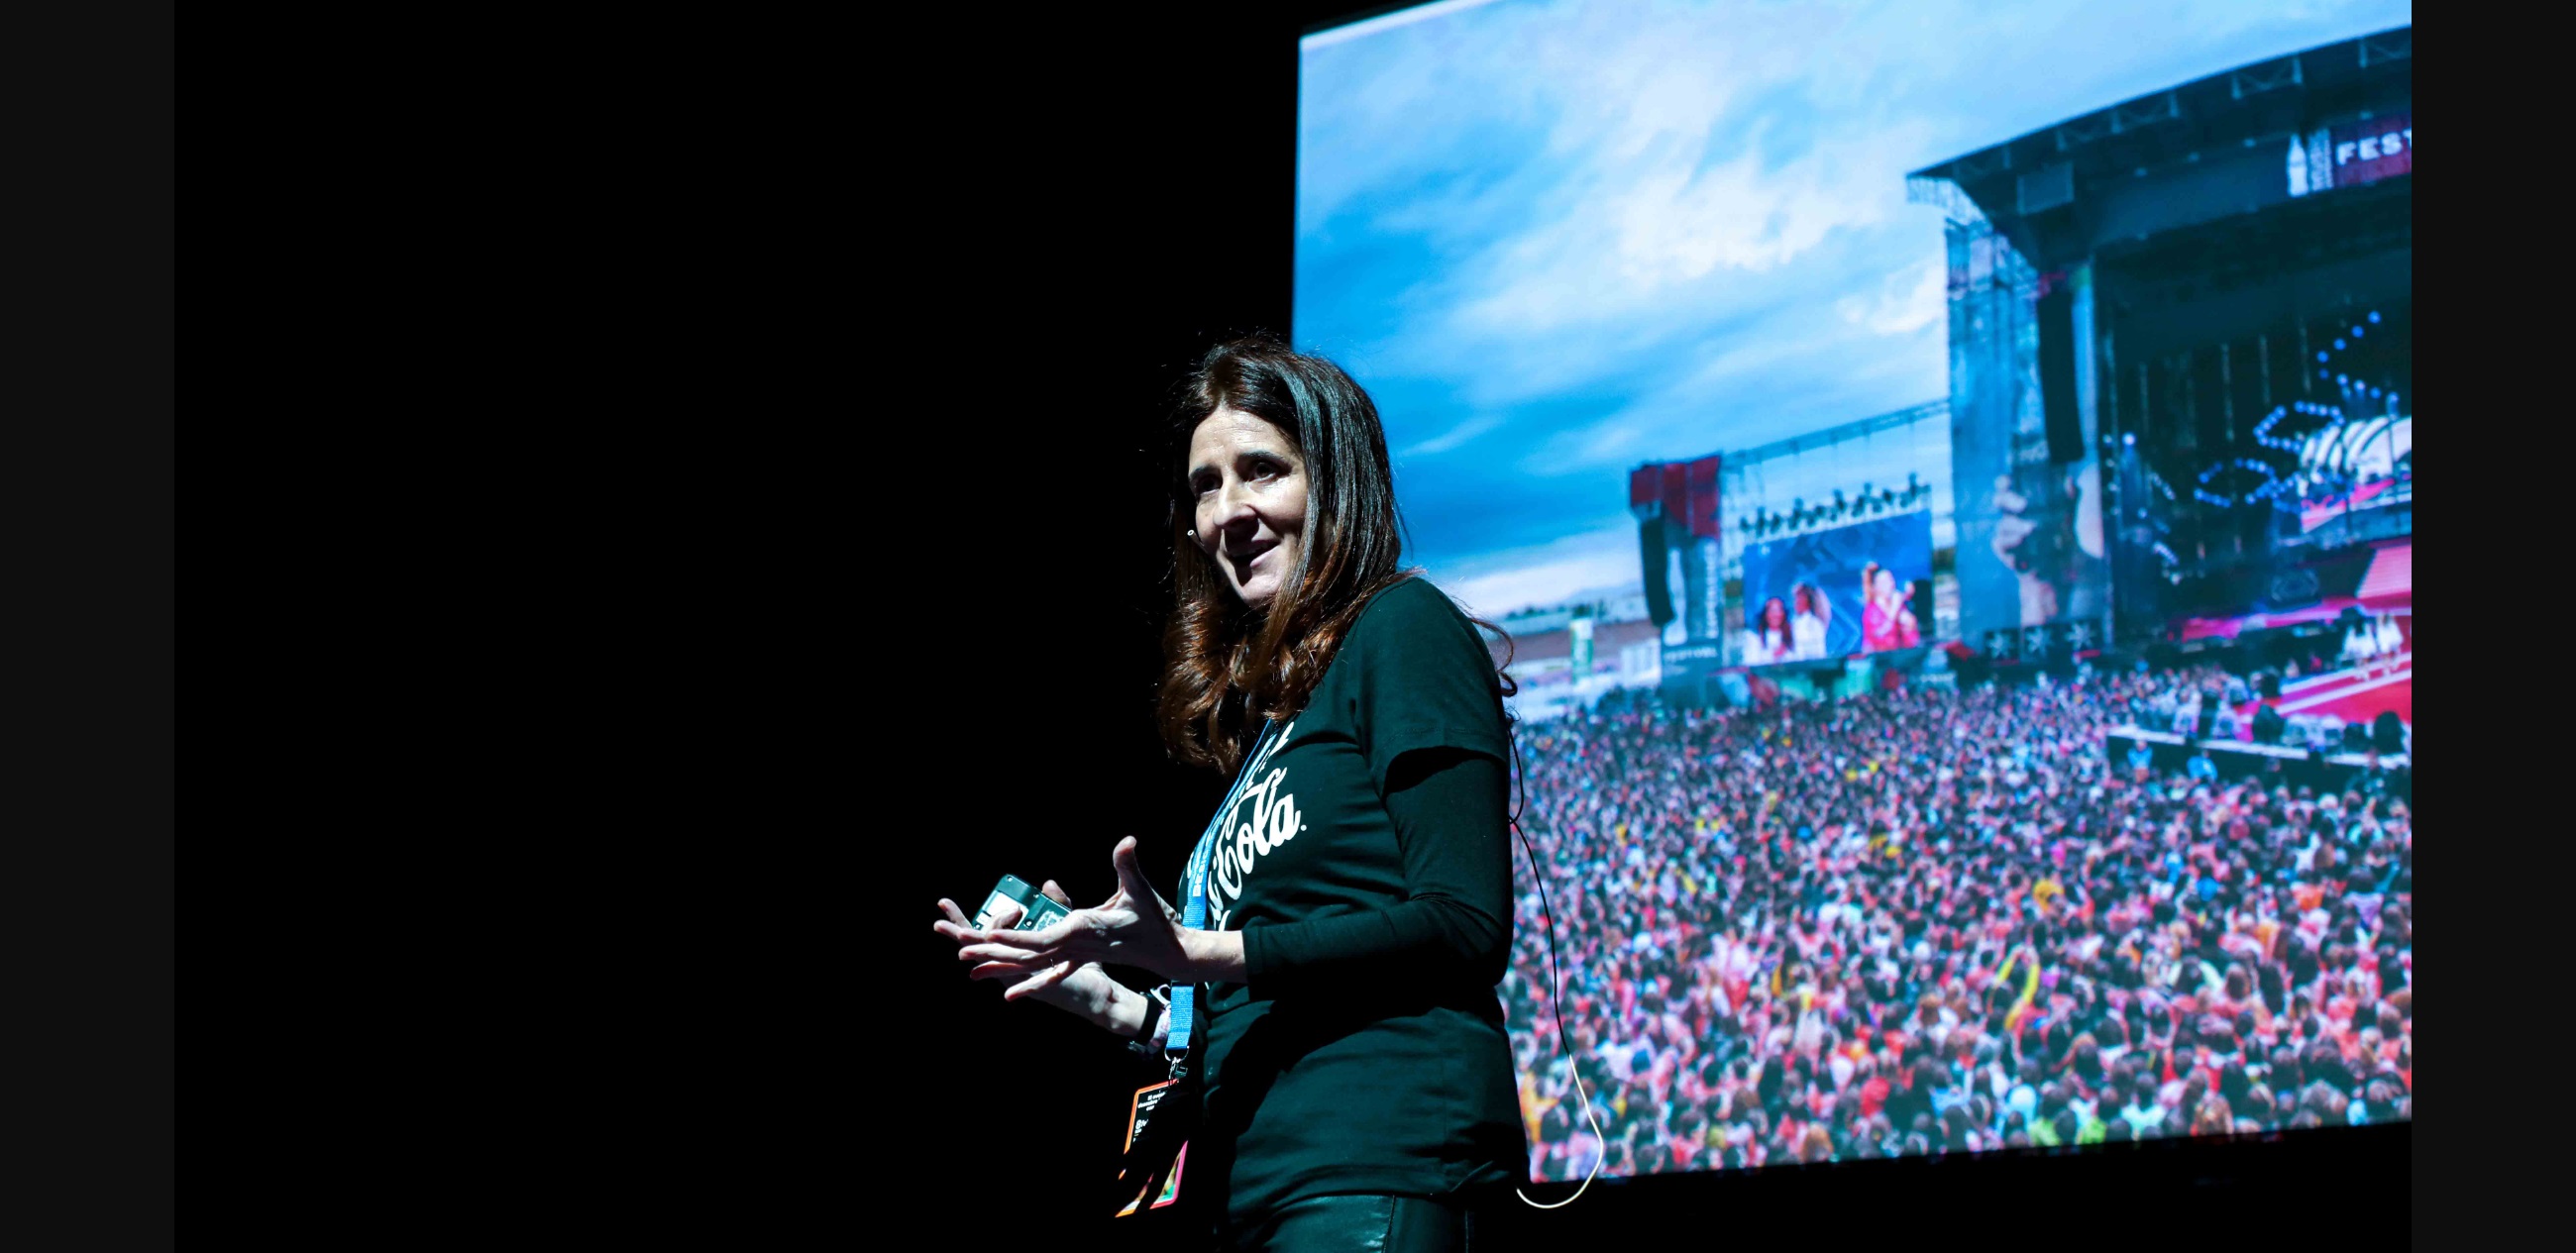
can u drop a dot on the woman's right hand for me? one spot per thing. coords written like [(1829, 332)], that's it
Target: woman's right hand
[(1084, 990)]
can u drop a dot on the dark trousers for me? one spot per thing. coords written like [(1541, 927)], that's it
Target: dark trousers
[(1336, 1224)]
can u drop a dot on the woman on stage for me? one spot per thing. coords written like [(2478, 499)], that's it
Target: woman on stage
[(1771, 637), (1815, 615), (1333, 980), (1877, 622), (1900, 605)]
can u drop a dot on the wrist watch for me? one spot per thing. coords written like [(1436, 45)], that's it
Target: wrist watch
[(1147, 1041)]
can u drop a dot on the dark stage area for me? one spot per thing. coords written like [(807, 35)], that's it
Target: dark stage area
[(1914, 509), (1114, 193)]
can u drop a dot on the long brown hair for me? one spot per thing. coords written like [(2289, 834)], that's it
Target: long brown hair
[(1226, 662)]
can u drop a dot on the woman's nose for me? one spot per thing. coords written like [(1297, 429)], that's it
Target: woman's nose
[(1234, 510)]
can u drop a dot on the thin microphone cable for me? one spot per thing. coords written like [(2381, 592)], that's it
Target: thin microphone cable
[(1555, 997)]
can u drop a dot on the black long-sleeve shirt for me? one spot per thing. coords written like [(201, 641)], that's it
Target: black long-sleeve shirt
[(1449, 807), (1367, 864)]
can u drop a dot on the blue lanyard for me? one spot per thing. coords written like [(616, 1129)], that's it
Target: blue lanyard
[(1194, 888)]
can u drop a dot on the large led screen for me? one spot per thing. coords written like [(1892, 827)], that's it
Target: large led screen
[(1842, 590), (1946, 473)]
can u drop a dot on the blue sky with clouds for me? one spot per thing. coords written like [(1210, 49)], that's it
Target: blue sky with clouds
[(1557, 239)]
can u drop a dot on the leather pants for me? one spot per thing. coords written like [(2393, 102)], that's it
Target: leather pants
[(1349, 1224)]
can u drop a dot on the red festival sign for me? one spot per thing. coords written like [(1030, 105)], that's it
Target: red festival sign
[(2380, 148)]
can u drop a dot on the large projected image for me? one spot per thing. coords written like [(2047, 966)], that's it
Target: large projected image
[(1946, 471), (1830, 593)]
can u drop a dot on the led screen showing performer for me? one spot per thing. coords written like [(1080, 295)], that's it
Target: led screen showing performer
[(1839, 591)]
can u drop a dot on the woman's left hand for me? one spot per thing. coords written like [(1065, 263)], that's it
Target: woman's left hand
[(1132, 928)]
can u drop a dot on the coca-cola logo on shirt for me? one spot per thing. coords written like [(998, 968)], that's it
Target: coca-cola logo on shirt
[(1265, 818)]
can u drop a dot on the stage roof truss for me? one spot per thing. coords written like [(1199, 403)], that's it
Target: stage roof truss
[(1977, 165), (2120, 119), (2254, 103), (1863, 428), (2257, 79)]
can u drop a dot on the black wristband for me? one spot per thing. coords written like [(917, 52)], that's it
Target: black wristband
[(1153, 1011), (1156, 1001)]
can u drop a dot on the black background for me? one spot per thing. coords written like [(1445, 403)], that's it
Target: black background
[(717, 522), (1126, 201), (1129, 207)]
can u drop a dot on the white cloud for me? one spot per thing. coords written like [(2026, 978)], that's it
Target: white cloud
[(1809, 367), (1659, 230), (1600, 556), (1642, 233), (1623, 167), (1678, 176), (1451, 438), (1908, 301)]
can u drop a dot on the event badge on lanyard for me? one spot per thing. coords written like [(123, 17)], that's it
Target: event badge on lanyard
[(1194, 912), (1153, 1164)]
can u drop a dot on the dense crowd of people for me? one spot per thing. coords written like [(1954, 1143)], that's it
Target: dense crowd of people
[(1931, 920)]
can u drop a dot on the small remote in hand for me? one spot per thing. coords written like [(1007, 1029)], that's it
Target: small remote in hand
[(1040, 910)]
